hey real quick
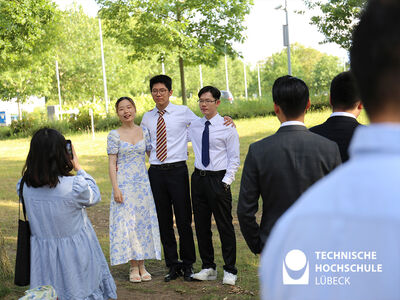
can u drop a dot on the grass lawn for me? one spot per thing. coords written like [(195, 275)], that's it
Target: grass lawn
[(93, 158)]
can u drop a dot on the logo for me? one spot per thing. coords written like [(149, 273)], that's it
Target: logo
[(295, 268)]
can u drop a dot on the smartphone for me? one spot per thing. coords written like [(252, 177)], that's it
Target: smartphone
[(69, 148)]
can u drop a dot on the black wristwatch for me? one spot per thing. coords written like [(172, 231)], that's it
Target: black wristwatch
[(226, 186)]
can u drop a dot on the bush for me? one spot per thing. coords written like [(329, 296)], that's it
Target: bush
[(239, 109), (108, 123), (24, 126), (5, 132)]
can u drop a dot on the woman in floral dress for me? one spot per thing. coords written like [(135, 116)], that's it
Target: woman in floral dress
[(134, 232)]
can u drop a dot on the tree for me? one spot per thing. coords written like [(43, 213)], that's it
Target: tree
[(80, 67), (28, 32), (315, 68), (25, 26), (338, 19), (196, 31)]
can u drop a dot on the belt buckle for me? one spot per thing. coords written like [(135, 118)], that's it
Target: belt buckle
[(165, 166), (203, 173)]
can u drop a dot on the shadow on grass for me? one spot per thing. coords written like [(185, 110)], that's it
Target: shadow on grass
[(97, 166)]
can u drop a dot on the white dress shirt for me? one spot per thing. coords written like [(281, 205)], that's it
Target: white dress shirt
[(342, 114), (177, 119), (224, 146), (289, 123), (355, 208)]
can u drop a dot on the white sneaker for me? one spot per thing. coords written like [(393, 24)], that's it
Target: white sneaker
[(229, 278), (206, 274)]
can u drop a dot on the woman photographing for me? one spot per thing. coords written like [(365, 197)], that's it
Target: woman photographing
[(65, 252)]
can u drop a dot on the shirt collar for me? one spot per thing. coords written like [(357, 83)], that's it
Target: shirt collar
[(289, 123), (168, 109), (342, 114), (212, 120)]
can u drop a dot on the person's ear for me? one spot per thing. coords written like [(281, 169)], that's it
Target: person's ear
[(308, 104), (170, 93), (276, 109), (360, 105)]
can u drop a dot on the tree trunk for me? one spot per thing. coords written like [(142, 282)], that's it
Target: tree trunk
[(6, 271), (182, 72)]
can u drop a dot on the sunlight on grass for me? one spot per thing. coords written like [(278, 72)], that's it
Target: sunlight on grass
[(92, 155), (8, 204)]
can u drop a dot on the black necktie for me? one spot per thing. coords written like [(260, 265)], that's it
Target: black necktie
[(205, 145)]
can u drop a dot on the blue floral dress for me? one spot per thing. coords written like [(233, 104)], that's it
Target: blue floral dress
[(134, 232)]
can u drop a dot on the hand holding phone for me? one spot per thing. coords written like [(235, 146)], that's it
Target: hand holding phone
[(69, 149)]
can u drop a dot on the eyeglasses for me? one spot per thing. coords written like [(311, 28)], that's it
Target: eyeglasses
[(206, 101), (161, 91)]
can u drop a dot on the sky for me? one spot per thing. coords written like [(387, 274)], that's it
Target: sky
[(264, 28)]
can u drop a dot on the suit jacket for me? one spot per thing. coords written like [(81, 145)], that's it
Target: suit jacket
[(339, 129), (280, 168)]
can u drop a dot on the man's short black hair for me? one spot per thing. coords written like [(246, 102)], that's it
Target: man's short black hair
[(291, 94), (213, 90), (375, 55), (161, 79), (344, 92)]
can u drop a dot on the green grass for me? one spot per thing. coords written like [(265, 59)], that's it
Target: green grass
[(93, 158)]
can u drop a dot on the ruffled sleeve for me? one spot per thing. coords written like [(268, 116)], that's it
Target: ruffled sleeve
[(112, 142), (84, 189), (147, 138)]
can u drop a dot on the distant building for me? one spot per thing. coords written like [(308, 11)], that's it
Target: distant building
[(9, 109)]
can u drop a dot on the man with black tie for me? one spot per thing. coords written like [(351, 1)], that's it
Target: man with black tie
[(217, 158), (346, 107), (282, 166)]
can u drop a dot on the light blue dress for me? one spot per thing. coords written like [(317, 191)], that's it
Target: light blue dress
[(65, 252), (134, 232)]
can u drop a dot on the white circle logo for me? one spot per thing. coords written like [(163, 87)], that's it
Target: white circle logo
[(296, 260), (295, 268)]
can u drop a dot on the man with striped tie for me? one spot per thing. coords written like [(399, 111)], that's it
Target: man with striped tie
[(169, 177)]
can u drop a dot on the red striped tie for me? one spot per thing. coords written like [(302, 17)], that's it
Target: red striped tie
[(161, 148)]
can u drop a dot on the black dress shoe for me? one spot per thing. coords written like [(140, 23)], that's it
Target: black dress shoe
[(188, 274), (174, 273)]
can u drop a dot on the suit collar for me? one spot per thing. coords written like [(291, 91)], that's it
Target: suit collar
[(292, 128), (341, 119)]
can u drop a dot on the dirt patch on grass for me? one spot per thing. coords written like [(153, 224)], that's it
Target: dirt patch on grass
[(157, 289)]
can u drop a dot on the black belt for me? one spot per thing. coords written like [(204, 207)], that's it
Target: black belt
[(169, 166), (209, 173)]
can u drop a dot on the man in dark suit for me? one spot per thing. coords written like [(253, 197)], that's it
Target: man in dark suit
[(346, 107), (282, 166)]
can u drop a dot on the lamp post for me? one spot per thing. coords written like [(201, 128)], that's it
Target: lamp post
[(103, 66), (286, 36)]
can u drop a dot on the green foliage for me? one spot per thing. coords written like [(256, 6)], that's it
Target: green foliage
[(5, 132), (28, 31), (192, 31), (315, 68), (337, 20), (23, 126), (24, 29), (239, 109)]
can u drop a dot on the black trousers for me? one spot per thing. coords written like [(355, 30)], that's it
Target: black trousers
[(210, 197), (170, 189)]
